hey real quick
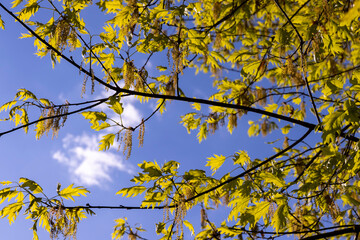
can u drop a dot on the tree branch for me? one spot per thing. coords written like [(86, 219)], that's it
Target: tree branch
[(52, 117), (170, 97), (213, 188), (298, 232), (354, 229), (302, 61), (57, 51)]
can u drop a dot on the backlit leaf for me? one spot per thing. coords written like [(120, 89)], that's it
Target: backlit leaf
[(132, 191), (106, 142), (215, 162), (70, 192)]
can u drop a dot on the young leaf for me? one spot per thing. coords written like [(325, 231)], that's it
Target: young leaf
[(215, 162), (117, 107), (15, 3), (196, 106), (24, 94), (11, 211), (132, 191), (106, 142), (190, 227), (271, 178), (70, 192), (259, 210), (119, 228), (241, 157), (2, 23), (279, 220), (202, 132), (94, 118), (33, 186)]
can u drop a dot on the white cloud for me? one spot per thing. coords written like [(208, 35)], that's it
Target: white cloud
[(86, 164), (131, 115)]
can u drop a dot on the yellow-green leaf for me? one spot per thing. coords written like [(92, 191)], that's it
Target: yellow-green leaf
[(196, 106), (279, 220), (2, 24), (202, 132), (215, 162), (260, 210), (106, 142), (190, 227), (117, 107), (132, 191), (241, 157), (271, 178), (70, 192), (33, 186), (16, 3)]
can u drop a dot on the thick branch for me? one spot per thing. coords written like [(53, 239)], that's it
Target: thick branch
[(355, 229)]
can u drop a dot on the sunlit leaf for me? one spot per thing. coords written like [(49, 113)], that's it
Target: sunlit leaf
[(215, 162), (70, 192)]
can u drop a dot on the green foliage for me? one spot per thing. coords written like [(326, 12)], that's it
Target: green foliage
[(285, 68), (48, 213)]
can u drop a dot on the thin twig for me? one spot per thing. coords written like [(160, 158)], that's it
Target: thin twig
[(57, 51), (303, 171), (52, 117), (87, 46), (302, 61)]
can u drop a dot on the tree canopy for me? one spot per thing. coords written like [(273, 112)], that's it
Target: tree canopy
[(290, 66)]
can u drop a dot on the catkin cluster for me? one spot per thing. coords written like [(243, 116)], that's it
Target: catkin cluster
[(128, 74), (61, 223), (65, 35), (141, 133), (128, 29), (52, 117), (213, 122), (232, 120), (180, 213), (261, 96), (127, 143), (290, 70)]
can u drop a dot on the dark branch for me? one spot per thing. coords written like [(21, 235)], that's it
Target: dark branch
[(354, 229)]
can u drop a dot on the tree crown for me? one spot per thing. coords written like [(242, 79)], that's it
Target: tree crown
[(290, 66)]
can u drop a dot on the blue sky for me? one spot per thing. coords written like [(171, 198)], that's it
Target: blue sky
[(72, 157)]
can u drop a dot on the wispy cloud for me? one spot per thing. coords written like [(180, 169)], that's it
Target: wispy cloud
[(87, 165)]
